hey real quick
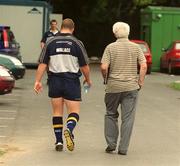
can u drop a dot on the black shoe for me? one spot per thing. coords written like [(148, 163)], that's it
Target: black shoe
[(122, 153), (109, 149), (69, 139), (59, 146)]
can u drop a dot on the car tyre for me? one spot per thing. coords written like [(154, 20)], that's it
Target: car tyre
[(170, 69), (162, 70), (149, 70)]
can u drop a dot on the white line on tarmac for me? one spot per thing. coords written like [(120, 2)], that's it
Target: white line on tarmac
[(9, 99), (16, 94), (3, 136), (9, 111), (6, 118), (2, 126)]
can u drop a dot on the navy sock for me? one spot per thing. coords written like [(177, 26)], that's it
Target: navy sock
[(58, 128), (72, 120)]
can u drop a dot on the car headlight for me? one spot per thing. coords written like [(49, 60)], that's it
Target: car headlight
[(16, 62), (4, 73)]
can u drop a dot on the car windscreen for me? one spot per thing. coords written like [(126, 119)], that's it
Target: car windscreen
[(177, 46), (7, 39), (1, 39), (11, 37), (143, 47)]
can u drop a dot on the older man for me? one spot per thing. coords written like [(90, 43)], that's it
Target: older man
[(119, 69)]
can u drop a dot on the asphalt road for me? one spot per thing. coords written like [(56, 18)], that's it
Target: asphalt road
[(27, 136)]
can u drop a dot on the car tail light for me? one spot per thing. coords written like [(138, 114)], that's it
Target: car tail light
[(178, 54), (148, 58), (6, 43)]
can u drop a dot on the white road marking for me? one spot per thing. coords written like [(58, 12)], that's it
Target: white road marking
[(3, 136), (6, 118), (6, 99), (9, 111), (2, 126)]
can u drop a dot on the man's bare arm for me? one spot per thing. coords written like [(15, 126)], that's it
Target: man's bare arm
[(39, 74), (104, 71), (42, 45), (86, 72), (142, 73)]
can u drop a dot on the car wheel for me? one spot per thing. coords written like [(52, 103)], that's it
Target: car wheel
[(162, 70), (170, 70), (149, 70)]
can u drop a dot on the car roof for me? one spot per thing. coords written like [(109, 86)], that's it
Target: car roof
[(4, 27), (177, 41), (138, 41)]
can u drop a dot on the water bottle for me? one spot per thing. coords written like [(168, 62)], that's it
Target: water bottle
[(86, 88)]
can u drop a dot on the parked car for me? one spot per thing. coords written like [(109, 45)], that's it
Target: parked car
[(7, 81), (14, 65), (146, 50), (170, 59), (8, 43)]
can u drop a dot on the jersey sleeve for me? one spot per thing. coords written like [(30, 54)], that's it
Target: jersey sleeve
[(82, 54), (44, 56), (43, 40)]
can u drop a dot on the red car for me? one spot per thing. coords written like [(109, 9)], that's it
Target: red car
[(146, 50), (6, 81), (170, 60)]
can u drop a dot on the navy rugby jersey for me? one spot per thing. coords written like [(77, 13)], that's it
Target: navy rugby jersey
[(49, 35), (64, 55)]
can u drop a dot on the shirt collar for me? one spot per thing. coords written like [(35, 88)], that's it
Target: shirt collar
[(54, 32), (122, 39), (66, 34)]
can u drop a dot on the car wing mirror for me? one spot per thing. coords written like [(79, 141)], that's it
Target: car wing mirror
[(164, 49), (17, 45)]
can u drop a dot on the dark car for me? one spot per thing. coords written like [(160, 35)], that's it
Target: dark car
[(146, 50), (8, 44), (7, 81), (170, 60), (14, 65)]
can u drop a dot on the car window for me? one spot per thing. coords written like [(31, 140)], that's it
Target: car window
[(1, 39), (177, 46), (10, 36), (1, 36), (143, 47), (7, 39)]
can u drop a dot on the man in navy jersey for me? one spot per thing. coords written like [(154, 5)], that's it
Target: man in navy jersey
[(65, 57), (51, 33)]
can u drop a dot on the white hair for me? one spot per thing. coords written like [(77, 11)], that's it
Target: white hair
[(121, 30)]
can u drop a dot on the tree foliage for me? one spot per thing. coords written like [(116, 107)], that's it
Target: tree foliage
[(94, 18)]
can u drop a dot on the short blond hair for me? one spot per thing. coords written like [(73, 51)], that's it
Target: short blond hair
[(121, 29), (67, 24)]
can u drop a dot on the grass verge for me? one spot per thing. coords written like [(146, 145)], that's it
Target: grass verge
[(2, 152), (175, 85)]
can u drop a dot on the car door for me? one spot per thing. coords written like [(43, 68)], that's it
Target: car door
[(166, 56)]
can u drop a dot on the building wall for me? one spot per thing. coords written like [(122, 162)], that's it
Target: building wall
[(27, 28), (28, 20), (163, 29)]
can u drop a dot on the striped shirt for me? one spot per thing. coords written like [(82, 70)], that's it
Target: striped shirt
[(123, 57), (64, 55)]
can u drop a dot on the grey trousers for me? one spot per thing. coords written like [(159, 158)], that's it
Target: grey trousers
[(128, 102)]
